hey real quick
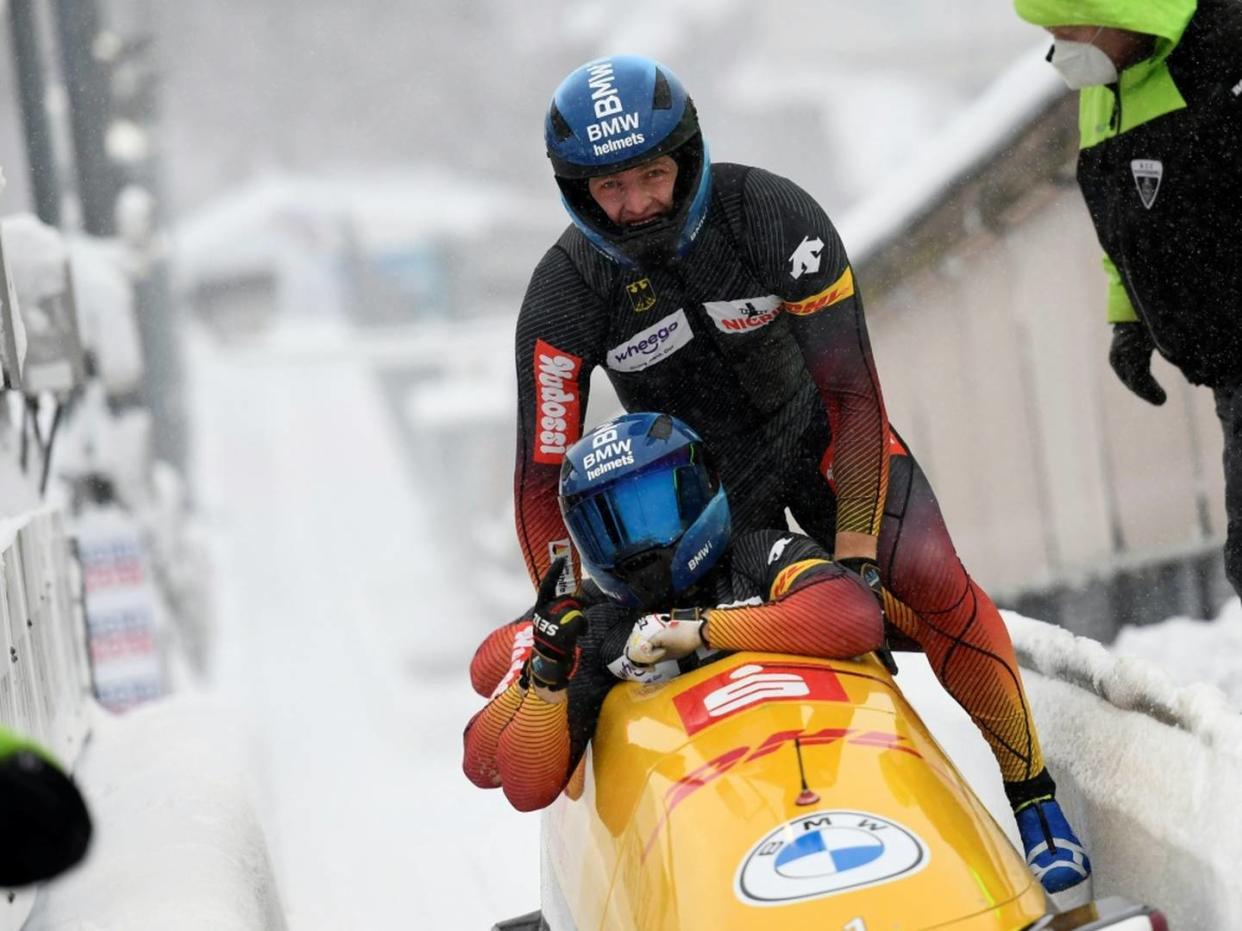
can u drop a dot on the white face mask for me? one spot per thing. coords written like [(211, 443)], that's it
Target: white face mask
[(1081, 64)]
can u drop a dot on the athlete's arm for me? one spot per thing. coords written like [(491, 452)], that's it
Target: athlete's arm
[(796, 249), (500, 657), (528, 740), (558, 331), (812, 606)]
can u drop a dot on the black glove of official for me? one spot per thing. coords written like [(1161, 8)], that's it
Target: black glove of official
[(558, 621), (1130, 357)]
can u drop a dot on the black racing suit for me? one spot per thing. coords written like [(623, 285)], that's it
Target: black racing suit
[(757, 340), (1165, 196)]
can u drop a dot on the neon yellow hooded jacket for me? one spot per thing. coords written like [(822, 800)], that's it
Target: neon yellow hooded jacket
[(1145, 90)]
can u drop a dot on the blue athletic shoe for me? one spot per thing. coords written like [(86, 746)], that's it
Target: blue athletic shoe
[(1053, 853)]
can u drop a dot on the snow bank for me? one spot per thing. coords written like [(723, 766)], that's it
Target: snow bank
[(175, 828), (1193, 650), (1147, 772), (1128, 682)]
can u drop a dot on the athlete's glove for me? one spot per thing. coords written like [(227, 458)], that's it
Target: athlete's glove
[(557, 622), (867, 570), (658, 637), (1130, 357)]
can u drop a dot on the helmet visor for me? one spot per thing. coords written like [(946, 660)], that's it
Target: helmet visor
[(651, 508)]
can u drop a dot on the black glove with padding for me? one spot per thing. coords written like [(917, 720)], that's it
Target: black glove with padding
[(558, 621)]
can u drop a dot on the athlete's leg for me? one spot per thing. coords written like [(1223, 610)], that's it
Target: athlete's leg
[(930, 598), (955, 622)]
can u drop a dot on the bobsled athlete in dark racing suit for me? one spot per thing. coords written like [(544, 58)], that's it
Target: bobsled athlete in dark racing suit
[(722, 295), (673, 586)]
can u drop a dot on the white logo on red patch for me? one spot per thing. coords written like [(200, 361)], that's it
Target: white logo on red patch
[(730, 692), (557, 402)]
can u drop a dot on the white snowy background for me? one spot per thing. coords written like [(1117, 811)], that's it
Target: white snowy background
[(314, 780)]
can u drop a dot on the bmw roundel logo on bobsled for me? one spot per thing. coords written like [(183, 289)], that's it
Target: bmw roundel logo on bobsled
[(827, 852)]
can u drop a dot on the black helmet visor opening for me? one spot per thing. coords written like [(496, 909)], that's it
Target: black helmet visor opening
[(655, 239)]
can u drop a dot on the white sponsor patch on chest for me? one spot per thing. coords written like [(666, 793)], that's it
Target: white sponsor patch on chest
[(742, 316), (652, 345)]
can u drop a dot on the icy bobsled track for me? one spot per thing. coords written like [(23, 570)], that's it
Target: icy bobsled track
[(335, 610)]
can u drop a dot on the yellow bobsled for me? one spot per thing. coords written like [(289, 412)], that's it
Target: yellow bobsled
[(775, 791)]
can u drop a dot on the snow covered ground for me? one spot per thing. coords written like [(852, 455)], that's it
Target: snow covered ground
[(340, 681), (333, 727), (335, 615), (1192, 650)]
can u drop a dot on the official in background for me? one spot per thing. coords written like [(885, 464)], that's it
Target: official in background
[(1160, 167)]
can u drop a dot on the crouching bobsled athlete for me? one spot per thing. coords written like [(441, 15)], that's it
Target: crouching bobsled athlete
[(671, 588), (646, 511)]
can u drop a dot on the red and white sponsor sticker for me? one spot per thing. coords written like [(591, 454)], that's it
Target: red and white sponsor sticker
[(557, 548), (557, 402), (523, 643), (744, 687), (744, 315)]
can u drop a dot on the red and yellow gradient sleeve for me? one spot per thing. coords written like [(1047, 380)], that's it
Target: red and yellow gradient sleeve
[(520, 743), (830, 329), (796, 249), (816, 610), (560, 335), (482, 737), (533, 753)]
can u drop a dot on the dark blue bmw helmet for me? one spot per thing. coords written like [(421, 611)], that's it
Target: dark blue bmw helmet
[(613, 114), (644, 508)]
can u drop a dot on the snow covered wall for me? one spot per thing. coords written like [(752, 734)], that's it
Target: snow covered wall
[(1148, 772)]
